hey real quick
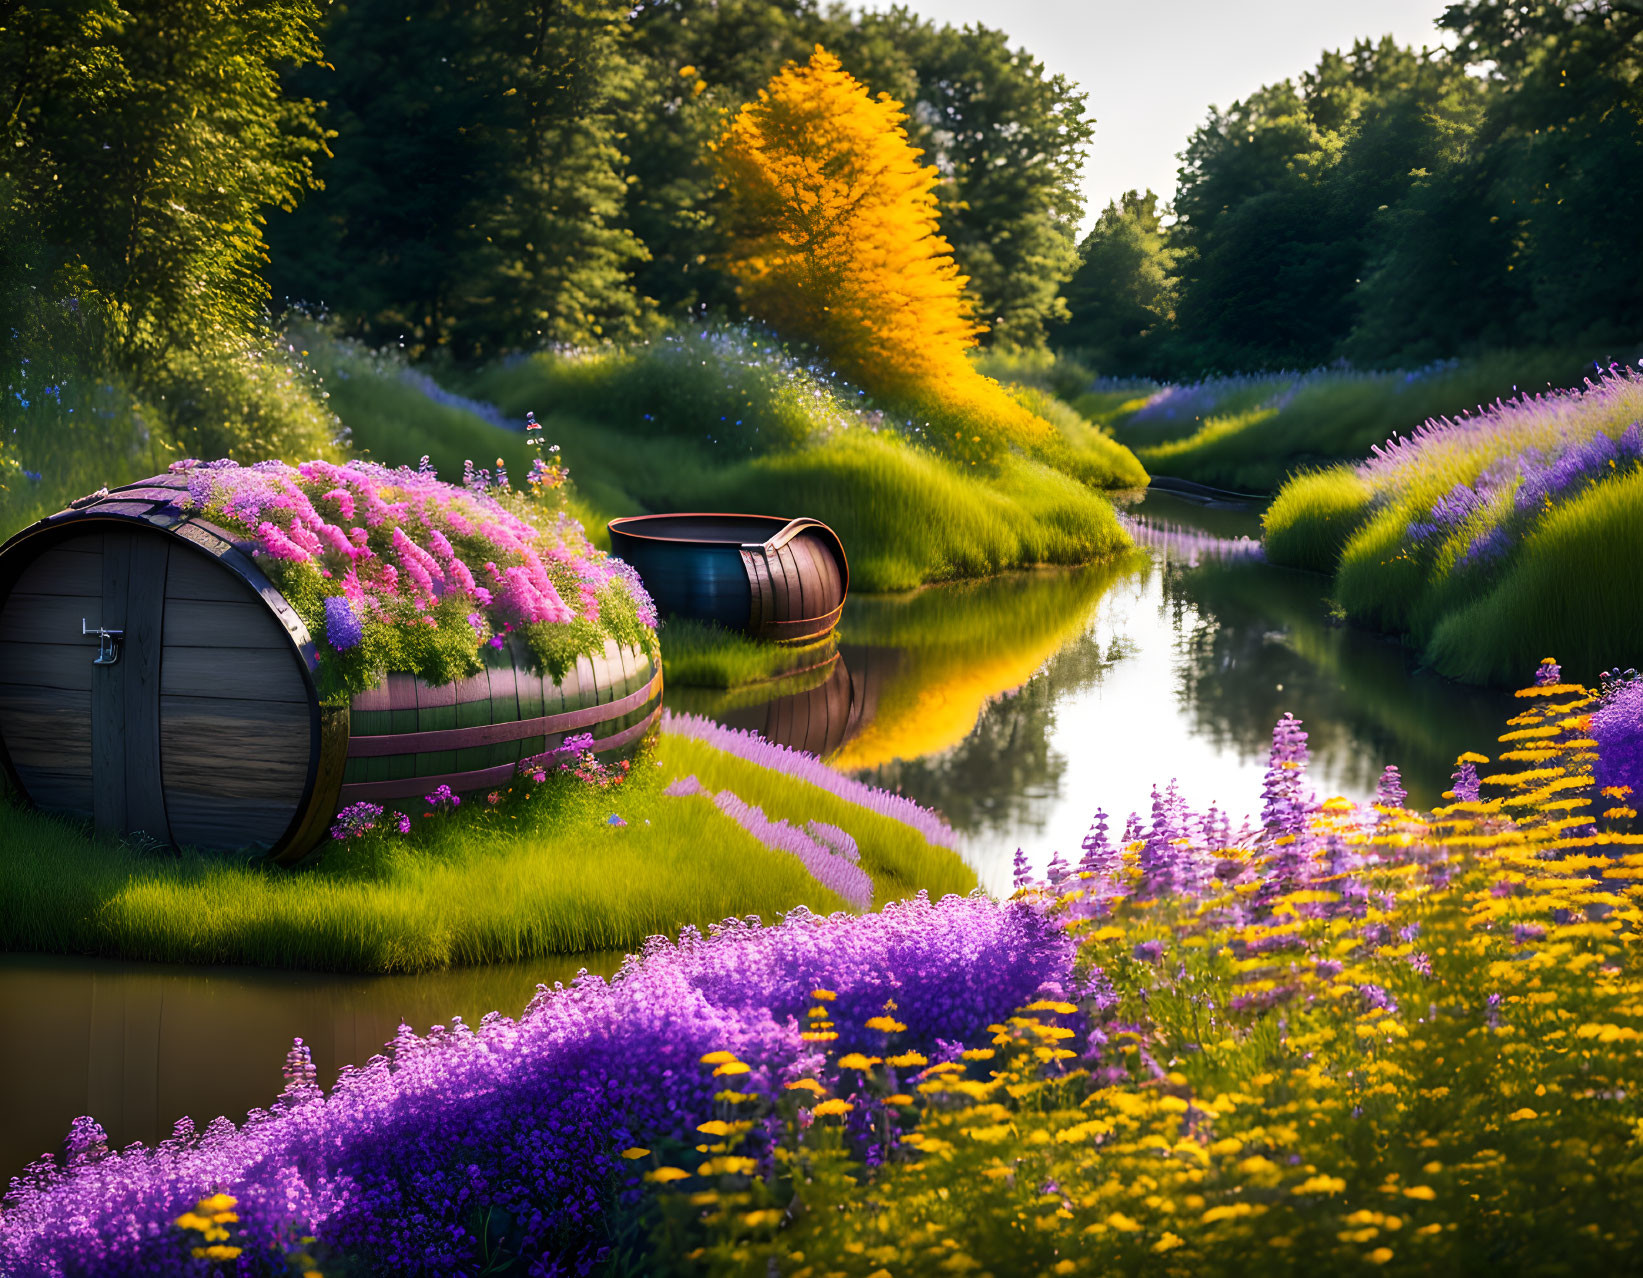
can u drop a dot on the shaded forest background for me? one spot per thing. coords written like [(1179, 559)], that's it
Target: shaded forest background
[(468, 180)]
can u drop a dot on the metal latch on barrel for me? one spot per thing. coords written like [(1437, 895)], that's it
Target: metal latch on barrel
[(108, 643)]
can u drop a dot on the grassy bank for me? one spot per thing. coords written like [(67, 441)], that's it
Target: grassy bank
[(1251, 433), (1489, 541), (723, 420), (480, 887)]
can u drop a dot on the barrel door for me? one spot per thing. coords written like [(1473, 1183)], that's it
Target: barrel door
[(145, 688)]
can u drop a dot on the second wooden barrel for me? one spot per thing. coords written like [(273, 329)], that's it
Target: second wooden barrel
[(778, 579)]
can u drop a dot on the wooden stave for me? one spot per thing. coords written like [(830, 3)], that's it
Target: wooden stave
[(610, 694), (147, 504)]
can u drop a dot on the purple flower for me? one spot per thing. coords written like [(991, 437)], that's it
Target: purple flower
[(355, 819), (443, 799), (1466, 783), (342, 626), (527, 1117), (1389, 792), (1617, 727)]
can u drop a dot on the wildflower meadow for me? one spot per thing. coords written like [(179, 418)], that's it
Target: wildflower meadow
[(1197, 833)]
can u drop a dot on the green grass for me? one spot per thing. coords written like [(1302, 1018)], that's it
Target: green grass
[(1251, 433), (696, 654), (729, 421), (1571, 593), (1436, 542), (1313, 517), (486, 887), (899, 859)]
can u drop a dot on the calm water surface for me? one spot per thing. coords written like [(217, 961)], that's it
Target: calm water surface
[(1015, 706)]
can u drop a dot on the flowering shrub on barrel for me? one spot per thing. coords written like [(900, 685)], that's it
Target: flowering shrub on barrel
[(394, 569)]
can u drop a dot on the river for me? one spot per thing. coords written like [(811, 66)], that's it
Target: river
[(1015, 706)]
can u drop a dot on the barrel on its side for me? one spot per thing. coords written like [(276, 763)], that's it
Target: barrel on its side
[(154, 681), (777, 579)]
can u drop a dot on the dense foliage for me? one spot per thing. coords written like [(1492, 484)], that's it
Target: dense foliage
[(1489, 536), (504, 175), (140, 151), (1397, 205)]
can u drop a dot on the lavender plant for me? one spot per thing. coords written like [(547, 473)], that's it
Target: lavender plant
[(503, 1144)]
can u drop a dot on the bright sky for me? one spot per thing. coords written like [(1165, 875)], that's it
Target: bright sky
[(1152, 68)]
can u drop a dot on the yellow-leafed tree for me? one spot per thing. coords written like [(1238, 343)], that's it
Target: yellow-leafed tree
[(834, 229), (834, 237)]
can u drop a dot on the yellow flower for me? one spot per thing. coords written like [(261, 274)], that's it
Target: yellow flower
[(832, 1107), (662, 1175), (1423, 1192), (758, 1219), (687, 73), (731, 1067), (1125, 1224), (899, 1098), (718, 1058), (1519, 1115), (714, 1127), (1048, 1005), (826, 996), (1379, 1256), (885, 1023), (634, 1152), (218, 1202), (855, 1060), (727, 1165), (805, 1084), (906, 1059), (1169, 1242)]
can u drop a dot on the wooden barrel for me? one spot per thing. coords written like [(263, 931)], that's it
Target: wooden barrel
[(778, 579), (196, 720)]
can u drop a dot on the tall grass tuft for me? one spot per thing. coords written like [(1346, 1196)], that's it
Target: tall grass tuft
[(1313, 516), (1491, 539), (727, 418)]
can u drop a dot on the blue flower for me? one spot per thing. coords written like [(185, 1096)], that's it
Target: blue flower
[(342, 626)]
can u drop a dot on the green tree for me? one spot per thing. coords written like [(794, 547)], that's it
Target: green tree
[(1121, 299), (699, 60), (476, 203), (1289, 198), (142, 143)]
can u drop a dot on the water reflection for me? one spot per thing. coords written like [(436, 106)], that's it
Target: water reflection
[(817, 711), (1016, 706), (1255, 642), (138, 1046)]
